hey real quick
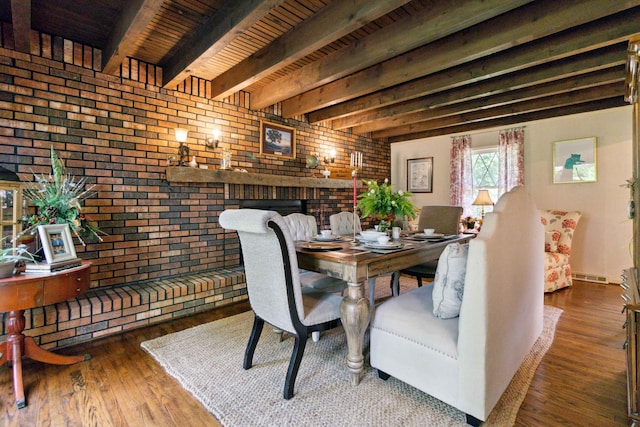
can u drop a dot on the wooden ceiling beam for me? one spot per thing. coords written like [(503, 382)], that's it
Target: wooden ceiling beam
[(554, 101), (602, 104), (583, 81), (21, 24), (216, 34), (437, 21), (530, 22), (605, 32), (133, 21), (331, 23), (573, 66)]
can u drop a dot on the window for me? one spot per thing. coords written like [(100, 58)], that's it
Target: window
[(485, 171)]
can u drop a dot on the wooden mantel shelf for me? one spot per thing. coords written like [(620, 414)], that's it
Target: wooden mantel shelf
[(195, 175)]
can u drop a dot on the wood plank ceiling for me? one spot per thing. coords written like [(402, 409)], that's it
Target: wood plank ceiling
[(394, 69)]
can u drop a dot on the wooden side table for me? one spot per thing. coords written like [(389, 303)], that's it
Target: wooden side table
[(23, 292)]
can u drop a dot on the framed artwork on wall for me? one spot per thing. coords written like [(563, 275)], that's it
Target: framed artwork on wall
[(277, 140), (420, 175), (574, 161), (57, 243)]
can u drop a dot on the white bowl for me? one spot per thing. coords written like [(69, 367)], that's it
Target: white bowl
[(383, 240), (372, 235)]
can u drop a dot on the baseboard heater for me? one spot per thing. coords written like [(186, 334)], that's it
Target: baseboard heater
[(590, 278)]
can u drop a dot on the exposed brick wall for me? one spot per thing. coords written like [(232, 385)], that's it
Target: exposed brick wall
[(118, 132)]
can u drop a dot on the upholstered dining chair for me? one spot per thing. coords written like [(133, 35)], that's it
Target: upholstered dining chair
[(443, 219), (273, 285), (304, 227), (342, 223)]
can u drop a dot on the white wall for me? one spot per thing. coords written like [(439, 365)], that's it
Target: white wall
[(602, 242)]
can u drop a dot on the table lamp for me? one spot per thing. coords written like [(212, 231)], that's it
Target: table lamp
[(483, 199)]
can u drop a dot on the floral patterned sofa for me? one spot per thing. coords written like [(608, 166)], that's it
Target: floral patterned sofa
[(559, 227)]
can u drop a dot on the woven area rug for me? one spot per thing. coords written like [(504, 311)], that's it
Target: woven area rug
[(212, 371)]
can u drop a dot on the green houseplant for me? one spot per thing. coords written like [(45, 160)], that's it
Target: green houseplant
[(10, 256), (58, 200), (382, 203)]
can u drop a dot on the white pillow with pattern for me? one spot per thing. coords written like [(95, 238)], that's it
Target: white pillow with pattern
[(448, 285)]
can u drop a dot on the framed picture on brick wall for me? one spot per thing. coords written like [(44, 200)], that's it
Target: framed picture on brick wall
[(277, 140)]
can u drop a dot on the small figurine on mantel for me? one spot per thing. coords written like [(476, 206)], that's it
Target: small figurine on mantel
[(193, 163), (183, 152)]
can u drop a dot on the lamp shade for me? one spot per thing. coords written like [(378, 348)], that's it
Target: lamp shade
[(181, 134), (483, 199)]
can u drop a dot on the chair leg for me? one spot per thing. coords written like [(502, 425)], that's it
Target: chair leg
[(372, 292), (395, 283), (471, 420), (294, 364), (315, 336), (419, 281), (383, 375), (258, 323)]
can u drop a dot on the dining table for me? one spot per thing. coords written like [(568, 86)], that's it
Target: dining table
[(355, 262)]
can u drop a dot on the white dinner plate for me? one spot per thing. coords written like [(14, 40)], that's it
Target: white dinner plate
[(428, 236), (320, 238), (389, 245), (363, 239)]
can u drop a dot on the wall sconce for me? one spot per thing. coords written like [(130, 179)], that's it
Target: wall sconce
[(181, 134), (331, 158), (214, 140), (183, 150)]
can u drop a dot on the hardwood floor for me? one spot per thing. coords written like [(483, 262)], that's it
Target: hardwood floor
[(580, 382)]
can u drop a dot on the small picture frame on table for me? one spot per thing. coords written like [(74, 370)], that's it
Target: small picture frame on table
[(57, 243), (277, 140), (420, 175)]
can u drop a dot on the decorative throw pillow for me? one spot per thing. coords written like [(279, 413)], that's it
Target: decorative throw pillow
[(448, 285), (551, 239)]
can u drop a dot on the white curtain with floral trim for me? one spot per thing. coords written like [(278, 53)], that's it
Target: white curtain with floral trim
[(511, 159), (461, 172)]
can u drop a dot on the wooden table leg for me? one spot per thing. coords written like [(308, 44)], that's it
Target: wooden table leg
[(354, 313), (19, 345)]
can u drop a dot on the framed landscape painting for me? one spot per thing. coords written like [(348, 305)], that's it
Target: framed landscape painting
[(277, 140), (420, 175), (574, 161)]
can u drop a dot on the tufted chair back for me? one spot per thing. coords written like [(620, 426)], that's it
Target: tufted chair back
[(301, 226), (342, 223), (274, 288)]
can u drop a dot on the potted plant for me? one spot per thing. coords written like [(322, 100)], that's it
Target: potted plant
[(384, 204), (58, 199), (10, 257)]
